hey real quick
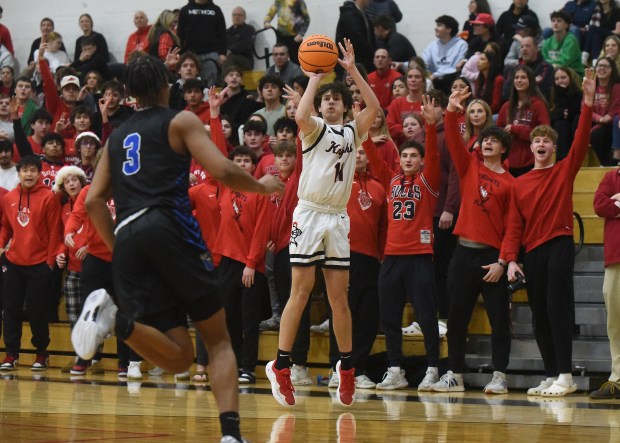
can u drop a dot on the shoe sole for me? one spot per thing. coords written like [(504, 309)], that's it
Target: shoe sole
[(275, 387), (447, 390), (86, 331)]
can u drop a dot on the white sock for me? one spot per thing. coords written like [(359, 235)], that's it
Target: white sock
[(550, 379), (432, 369), (565, 379), (395, 368)]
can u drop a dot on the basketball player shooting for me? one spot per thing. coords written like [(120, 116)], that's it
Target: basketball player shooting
[(321, 238)]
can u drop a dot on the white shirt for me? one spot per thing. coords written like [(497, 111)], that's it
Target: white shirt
[(8, 178)]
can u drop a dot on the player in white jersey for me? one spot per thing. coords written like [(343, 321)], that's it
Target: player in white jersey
[(320, 230)]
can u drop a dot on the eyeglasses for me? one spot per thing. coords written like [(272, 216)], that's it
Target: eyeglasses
[(599, 66), (88, 143)]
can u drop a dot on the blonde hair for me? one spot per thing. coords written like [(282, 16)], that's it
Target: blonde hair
[(469, 128), (383, 129), (53, 36)]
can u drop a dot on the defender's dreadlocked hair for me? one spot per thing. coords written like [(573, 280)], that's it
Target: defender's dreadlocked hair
[(145, 77)]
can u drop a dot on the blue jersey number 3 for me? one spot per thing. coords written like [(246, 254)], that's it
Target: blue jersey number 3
[(131, 144)]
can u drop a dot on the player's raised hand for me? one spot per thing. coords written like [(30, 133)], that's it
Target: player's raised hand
[(456, 99), (428, 110), (348, 55)]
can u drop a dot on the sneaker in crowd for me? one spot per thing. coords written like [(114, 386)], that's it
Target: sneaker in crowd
[(449, 382), (80, 366), (156, 371), (413, 329), (497, 385), (299, 376), (182, 376), (122, 372), (95, 323), (346, 387), (608, 391), (247, 378), (394, 378), (363, 382), (544, 384), (334, 379), (271, 324), (443, 327), (281, 386), (431, 377), (323, 328), (96, 367), (133, 371), (9, 363), (41, 361)]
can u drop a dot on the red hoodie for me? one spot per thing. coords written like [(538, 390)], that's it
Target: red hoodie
[(54, 104), (73, 263), (31, 220), (605, 206), (205, 199), (367, 209)]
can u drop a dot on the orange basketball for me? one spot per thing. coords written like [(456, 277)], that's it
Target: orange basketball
[(318, 53)]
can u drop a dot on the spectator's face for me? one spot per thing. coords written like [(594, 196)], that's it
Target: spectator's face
[(415, 81), (479, 29), (238, 17), (46, 27), (70, 93), (520, 4), (411, 128), (399, 89), (611, 48), (226, 129), (280, 56), (382, 59), (603, 70), (6, 158), (271, 92), (483, 62), (53, 149), (558, 25), (4, 107), (521, 82), (82, 122), (140, 20), (529, 50), (441, 31), (291, 109), (54, 46), (245, 161), (253, 140), (472, 7), (89, 49), (285, 134), (356, 94), (561, 79), (6, 75), (92, 81), (88, 147), (40, 127), (72, 185), (233, 79), (188, 69), (23, 90), (458, 85), (361, 161), (85, 24), (28, 176), (285, 162), (411, 161), (477, 115), (193, 97)]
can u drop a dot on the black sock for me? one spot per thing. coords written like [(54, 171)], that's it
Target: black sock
[(124, 326), (345, 361), (283, 360), (229, 422)]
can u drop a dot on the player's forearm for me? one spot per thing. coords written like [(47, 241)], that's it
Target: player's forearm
[(306, 105), (370, 99)]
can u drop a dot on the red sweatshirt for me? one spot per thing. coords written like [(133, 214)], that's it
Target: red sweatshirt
[(605, 206), (397, 111), (381, 85), (367, 209), (485, 194), (542, 200), (73, 263), (411, 199), (266, 165), (206, 203), (79, 221), (54, 104), (520, 128), (31, 220), (217, 135), (203, 112)]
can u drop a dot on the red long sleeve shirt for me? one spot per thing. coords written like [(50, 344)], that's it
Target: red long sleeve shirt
[(605, 206), (520, 128), (31, 220), (54, 104), (73, 263), (397, 111), (205, 199), (367, 209), (411, 200), (79, 221), (542, 200), (485, 194), (381, 85)]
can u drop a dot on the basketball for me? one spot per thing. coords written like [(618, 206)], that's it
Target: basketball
[(318, 53)]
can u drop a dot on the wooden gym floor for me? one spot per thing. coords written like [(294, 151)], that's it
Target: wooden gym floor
[(53, 407)]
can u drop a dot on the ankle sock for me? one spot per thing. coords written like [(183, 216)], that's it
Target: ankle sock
[(229, 422), (124, 326), (346, 362), (283, 360)]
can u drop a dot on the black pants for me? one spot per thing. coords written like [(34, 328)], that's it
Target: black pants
[(244, 310), (566, 134), (283, 280), (27, 285), (600, 139), (464, 284), (364, 306), (443, 249), (412, 276), (97, 274), (550, 292)]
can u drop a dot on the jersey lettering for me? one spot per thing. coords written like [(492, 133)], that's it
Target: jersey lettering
[(131, 144), (339, 176)]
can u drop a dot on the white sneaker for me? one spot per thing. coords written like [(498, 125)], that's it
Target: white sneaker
[(449, 382), (323, 328), (394, 378), (431, 377), (96, 322), (363, 382), (133, 371), (334, 380), (299, 376), (182, 376), (537, 390), (413, 329), (497, 385), (156, 371), (443, 328)]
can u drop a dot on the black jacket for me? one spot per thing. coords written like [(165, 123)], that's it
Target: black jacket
[(354, 25), (241, 41), (398, 46), (504, 26)]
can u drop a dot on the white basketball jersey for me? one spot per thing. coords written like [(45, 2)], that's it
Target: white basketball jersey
[(328, 163)]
